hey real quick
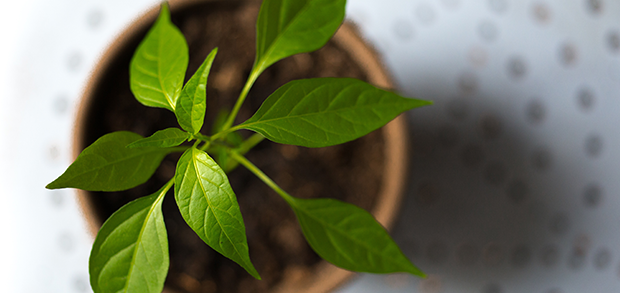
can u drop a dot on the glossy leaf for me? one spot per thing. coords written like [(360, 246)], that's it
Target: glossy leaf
[(158, 66), (288, 27), (107, 165), (192, 104), (349, 237), (209, 206), (130, 253), (168, 137), (326, 111)]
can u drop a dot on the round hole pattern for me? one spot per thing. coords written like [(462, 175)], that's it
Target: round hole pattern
[(488, 31), (535, 111), (517, 68)]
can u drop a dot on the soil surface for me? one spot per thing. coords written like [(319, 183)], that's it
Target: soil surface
[(350, 172)]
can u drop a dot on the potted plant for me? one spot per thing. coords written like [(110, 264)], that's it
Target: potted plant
[(131, 250)]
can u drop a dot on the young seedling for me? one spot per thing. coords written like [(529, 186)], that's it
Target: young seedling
[(130, 253)]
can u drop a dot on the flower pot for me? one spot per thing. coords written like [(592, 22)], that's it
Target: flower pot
[(369, 172)]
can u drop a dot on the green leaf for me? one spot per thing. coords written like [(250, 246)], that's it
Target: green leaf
[(288, 27), (349, 237), (168, 137), (209, 206), (326, 111), (107, 165), (192, 103), (130, 253), (158, 67)]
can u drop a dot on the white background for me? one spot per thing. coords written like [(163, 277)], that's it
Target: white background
[(514, 180)]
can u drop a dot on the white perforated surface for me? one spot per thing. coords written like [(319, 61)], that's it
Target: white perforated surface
[(513, 185)]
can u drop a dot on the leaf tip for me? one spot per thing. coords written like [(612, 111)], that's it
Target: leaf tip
[(54, 185)]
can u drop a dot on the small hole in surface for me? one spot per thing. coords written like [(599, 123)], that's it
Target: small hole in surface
[(592, 195), (559, 224), (488, 31), (57, 197), (602, 259), (74, 60), (594, 6), (585, 98), (94, 18), (468, 82), (65, 242), (568, 54), (498, 6), (403, 30), (516, 68), (491, 127), (60, 104), (535, 111), (425, 14), (613, 42), (593, 145), (80, 284), (577, 259), (541, 13), (541, 159)]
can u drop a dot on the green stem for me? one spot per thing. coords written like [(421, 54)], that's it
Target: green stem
[(202, 137), (223, 133), (244, 93), (249, 143), (168, 186), (205, 146), (262, 176)]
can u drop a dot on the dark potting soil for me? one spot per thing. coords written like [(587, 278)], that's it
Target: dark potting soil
[(351, 172)]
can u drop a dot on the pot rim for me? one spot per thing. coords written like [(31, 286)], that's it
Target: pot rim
[(325, 276)]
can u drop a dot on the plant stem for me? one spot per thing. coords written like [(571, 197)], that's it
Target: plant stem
[(167, 187), (202, 137), (249, 143), (205, 146), (244, 93), (262, 176)]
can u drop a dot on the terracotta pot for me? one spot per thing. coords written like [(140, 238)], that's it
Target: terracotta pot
[(325, 276)]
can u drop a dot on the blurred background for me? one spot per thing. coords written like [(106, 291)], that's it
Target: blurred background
[(514, 171)]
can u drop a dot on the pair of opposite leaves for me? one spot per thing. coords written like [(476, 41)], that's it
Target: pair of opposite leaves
[(312, 113)]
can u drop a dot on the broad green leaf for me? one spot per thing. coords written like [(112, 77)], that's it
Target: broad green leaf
[(192, 104), (288, 27), (209, 206), (349, 237), (168, 137), (130, 253), (158, 67), (107, 165), (326, 111)]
